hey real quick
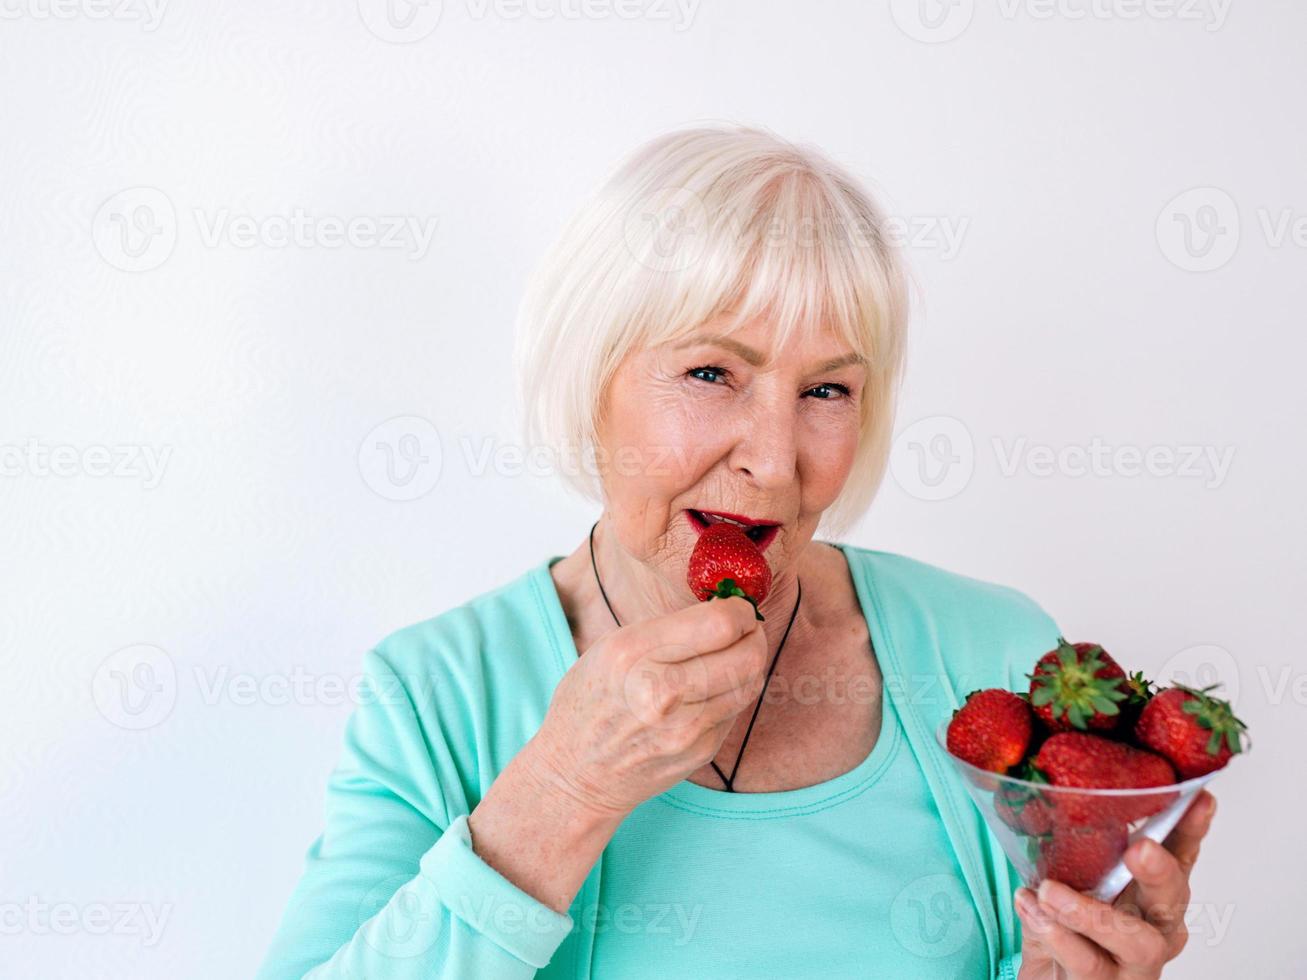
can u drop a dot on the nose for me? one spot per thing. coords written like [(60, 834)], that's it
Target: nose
[(766, 449)]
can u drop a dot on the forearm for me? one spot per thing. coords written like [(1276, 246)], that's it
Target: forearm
[(540, 838)]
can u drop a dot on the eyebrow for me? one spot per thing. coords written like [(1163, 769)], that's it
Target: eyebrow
[(755, 359)]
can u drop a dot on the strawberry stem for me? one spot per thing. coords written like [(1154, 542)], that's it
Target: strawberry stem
[(1072, 687), (1215, 715), (727, 588)]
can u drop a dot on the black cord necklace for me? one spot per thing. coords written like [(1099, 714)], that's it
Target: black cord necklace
[(728, 781)]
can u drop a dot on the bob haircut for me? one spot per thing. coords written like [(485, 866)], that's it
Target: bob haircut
[(721, 220)]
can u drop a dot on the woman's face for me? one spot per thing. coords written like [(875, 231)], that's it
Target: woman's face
[(732, 426)]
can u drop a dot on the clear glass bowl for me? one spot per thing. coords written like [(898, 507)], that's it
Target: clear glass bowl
[(1076, 836)]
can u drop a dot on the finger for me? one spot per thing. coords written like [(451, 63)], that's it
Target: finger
[(1134, 942), (1161, 873), (698, 629), (1161, 886), (1187, 836), (723, 708), (1076, 955), (677, 694), (740, 667), (1152, 865), (1183, 841), (1034, 927)]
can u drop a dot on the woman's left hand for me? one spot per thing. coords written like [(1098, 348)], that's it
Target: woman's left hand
[(1079, 938)]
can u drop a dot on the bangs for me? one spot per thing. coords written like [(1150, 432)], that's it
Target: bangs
[(783, 247)]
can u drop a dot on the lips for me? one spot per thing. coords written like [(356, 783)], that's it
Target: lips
[(760, 532)]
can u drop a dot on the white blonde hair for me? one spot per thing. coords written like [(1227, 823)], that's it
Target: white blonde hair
[(712, 221)]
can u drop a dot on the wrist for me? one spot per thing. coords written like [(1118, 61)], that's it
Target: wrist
[(543, 839), (554, 778)]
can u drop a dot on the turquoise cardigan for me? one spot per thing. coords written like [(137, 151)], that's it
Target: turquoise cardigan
[(392, 887)]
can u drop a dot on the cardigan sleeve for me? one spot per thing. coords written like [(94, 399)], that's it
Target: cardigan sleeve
[(392, 887)]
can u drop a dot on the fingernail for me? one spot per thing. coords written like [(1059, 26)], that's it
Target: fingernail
[(1053, 897), (1032, 912)]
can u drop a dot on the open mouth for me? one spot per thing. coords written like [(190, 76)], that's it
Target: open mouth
[(760, 532)]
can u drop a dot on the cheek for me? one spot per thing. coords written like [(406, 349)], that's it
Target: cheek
[(826, 455), (656, 444)]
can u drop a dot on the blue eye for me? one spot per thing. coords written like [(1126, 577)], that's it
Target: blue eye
[(706, 370), (842, 389)]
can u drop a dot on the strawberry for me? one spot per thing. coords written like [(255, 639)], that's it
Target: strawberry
[(1195, 731), (724, 563), (1080, 856), (1077, 687), (1024, 808), (1074, 759), (991, 730)]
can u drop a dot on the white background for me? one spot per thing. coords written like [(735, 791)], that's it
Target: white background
[(242, 579)]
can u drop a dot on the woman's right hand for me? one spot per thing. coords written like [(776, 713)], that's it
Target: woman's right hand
[(649, 704)]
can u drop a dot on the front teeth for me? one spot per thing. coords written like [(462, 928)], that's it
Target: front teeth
[(714, 519)]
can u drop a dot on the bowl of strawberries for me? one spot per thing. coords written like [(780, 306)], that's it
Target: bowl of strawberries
[(1069, 773)]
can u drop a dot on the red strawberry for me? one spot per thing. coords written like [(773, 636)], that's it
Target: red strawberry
[(1024, 808), (725, 562), (1080, 856), (1077, 687), (991, 730), (1196, 732), (1073, 759)]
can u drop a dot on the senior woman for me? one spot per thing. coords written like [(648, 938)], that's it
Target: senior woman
[(588, 773)]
